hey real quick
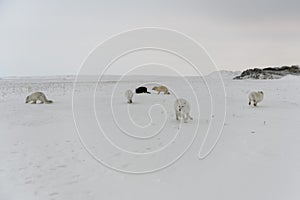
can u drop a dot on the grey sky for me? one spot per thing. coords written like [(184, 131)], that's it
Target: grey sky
[(54, 37)]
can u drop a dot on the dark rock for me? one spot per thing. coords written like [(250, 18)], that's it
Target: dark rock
[(269, 72), (140, 90)]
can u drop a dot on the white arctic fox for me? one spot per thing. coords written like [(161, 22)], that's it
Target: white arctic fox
[(129, 95), (160, 89), (256, 97), (37, 96), (182, 109)]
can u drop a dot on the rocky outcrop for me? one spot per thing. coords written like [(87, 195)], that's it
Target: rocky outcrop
[(269, 72)]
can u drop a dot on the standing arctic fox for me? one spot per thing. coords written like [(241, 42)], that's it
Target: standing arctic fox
[(256, 97), (182, 109), (129, 95), (37, 96), (161, 89)]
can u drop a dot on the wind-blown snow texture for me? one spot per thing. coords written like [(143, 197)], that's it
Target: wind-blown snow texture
[(257, 156)]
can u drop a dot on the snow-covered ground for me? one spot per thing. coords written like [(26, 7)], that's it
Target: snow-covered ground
[(42, 155)]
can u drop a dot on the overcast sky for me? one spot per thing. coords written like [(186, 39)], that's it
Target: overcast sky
[(54, 37)]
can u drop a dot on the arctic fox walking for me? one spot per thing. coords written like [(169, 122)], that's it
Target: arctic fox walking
[(129, 95), (37, 96), (182, 109), (256, 97), (160, 89)]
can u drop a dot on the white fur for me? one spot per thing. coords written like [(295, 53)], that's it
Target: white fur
[(256, 97), (160, 89), (37, 96), (129, 95), (182, 109)]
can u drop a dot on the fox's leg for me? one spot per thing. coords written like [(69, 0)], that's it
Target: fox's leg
[(158, 92), (177, 115), (185, 118), (41, 100), (33, 102), (189, 116)]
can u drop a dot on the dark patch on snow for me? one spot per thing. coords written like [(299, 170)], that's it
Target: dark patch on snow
[(269, 72)]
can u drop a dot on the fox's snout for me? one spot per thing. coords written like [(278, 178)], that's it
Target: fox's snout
[(179, 109)]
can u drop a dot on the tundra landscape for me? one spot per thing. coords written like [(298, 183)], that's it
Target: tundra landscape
[(44, 155)]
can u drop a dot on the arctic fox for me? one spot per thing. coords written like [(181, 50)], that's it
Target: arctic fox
[(161, 89), (129, 95), (37, 96), (182, 109), (256, 97)]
